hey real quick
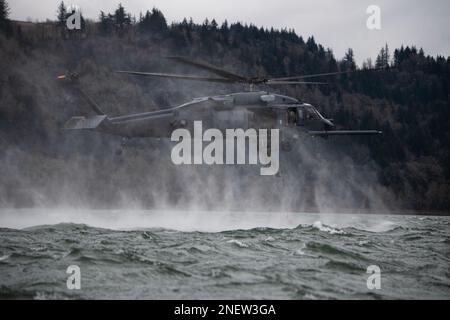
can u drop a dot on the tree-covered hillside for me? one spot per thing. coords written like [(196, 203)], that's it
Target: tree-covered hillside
[(408, 99)]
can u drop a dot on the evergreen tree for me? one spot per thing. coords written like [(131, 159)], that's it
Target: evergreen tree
[(4, 10), (383, 58), (121, 18), (224, 31), (158, 21), (145, 22), (214, 25), (106, 23), (349, 60), (311, 44), (387, 56), (62, 14), (4, 14), (155, 22)]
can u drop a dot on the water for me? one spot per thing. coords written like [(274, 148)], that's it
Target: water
[(222, 255)]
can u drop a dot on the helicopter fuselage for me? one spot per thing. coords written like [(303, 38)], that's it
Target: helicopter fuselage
[(242, 110), (258, 110)]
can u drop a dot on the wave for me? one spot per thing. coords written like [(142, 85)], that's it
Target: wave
[(238, 243), (264, 262), (320, 226), (5, 257)]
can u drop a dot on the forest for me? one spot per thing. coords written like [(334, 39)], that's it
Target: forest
[(407, 97)]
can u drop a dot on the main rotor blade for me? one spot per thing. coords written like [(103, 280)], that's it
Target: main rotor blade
[(272, 83), (325, 74), (177, 76), (211, 68)]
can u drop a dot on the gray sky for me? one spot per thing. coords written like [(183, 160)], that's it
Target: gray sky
[(338, 24)]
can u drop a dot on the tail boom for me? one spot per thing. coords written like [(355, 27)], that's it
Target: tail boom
[(83, 123)]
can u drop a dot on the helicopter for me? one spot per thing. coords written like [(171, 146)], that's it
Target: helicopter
[(244, 110)]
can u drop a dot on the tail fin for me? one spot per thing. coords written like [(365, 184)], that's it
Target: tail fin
[(73, 77)]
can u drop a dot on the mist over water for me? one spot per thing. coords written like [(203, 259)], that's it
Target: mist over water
[(202, 221), (157, 193), (315, 177), (215, 232)]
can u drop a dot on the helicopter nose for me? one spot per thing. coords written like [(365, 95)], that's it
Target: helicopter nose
[(328, 122)]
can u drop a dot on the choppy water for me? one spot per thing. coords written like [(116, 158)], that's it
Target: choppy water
[(194, 255)]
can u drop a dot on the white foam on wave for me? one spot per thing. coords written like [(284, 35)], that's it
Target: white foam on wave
[(319, 225), (362, 243), (238, 243), (5, 257), (301, 251)]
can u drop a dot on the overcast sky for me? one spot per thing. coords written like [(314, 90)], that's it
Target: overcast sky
[(335, 24)]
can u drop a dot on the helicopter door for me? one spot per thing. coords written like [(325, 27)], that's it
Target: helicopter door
[(292, 117), (231, 119), (300, 117)]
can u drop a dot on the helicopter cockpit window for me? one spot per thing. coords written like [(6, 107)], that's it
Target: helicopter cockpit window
[(311, 114)]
